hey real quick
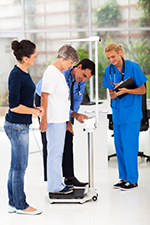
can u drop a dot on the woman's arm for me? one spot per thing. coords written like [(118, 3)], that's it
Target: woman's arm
[(22, 109), (137, 91)]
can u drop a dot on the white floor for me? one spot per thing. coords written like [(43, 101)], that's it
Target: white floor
[(113, 207)]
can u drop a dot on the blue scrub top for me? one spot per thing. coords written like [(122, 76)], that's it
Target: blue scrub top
[(69, 78), (77, 98), (129, 108)]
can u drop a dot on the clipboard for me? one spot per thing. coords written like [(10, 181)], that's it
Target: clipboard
[(128, 83)]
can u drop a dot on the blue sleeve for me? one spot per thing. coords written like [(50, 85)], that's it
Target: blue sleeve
[(66, 74), (106, 80), (138, 76), (14, 89), (77, 99), (39, 87)]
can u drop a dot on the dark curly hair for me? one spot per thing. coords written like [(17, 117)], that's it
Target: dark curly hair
[(22, 48)]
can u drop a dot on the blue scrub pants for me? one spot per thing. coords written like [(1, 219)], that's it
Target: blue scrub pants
[(55, 135), (126, 138)]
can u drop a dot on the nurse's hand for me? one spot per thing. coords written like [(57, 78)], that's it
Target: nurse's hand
[(113, 94), (116, 85), (121, 91), (43, 126), (69, 127)]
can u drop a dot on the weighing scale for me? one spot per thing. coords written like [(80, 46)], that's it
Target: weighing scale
[(81, 195)]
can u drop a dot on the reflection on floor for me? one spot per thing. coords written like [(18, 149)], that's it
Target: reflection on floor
[(113, 207)]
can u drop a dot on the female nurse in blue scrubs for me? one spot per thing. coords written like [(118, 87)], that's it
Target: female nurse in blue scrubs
[(126, 111)]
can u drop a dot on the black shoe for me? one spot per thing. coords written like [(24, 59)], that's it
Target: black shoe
[(64, 191), (128, 186), (73, 181), (70, 187), (119, 184)]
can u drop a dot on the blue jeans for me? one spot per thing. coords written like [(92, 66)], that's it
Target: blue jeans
[(18, 135)]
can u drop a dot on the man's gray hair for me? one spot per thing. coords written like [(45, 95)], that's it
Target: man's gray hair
[(68, 52)]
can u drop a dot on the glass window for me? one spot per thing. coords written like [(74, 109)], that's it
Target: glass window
[(106, 14), (7, 62), (49, 22), (127, 13), (60, 14), (10, 15)]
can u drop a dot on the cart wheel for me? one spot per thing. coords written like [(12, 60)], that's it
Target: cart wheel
[(148, 159), (94, 198)]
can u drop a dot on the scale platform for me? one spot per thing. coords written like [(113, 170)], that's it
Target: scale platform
[(77, 193)]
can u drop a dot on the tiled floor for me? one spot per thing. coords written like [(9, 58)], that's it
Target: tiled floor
[(113, 207)]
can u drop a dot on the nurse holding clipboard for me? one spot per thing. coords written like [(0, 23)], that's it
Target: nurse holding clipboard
[(126, 112)]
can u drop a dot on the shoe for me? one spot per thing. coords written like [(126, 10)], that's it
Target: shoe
[(11, 209), (73, 181), (128, 186), (36, 212), (119, 184), (70, 186), (64, 191)]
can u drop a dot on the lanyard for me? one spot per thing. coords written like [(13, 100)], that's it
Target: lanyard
[(79, 92), (122, 77), (68, 79)]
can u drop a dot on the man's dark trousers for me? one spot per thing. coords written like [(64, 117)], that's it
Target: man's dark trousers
[(67, 164)]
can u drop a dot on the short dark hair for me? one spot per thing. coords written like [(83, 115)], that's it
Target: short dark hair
[(22, 48), (87, 64)]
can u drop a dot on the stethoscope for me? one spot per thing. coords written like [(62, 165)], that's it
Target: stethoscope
[(122, 78), (69, 75)]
